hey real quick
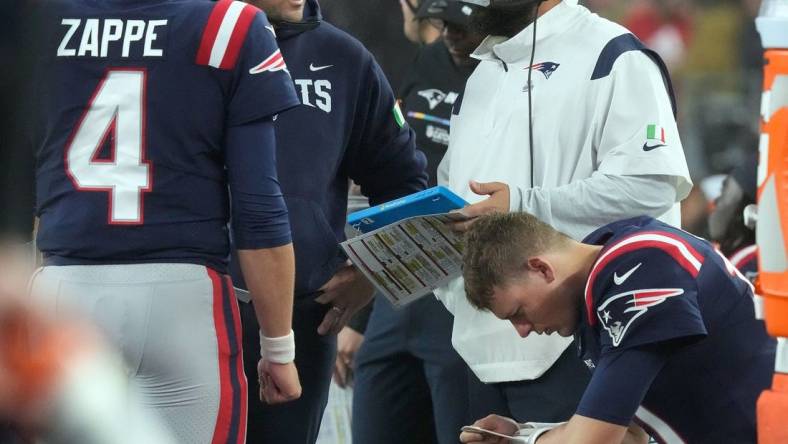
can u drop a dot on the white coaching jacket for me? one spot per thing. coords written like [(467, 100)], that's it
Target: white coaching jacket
[(606, 148)]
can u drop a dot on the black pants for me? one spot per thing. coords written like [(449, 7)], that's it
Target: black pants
[(551, 398), (410, 385), (296, 422)]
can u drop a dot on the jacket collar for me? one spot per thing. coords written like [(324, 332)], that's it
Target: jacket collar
[(311, 20)]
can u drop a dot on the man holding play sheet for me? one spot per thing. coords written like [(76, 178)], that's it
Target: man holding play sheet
[(570, 118)]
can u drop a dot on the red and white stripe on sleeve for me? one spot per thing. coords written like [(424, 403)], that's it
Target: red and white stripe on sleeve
[(225, 33), (679, 249)]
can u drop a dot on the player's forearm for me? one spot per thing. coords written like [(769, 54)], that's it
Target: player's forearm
[(635, 435), (561, 436), (269, 274), (583, 430)]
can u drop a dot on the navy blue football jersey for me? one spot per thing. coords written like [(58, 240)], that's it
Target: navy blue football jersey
[(135, 99), (669, 326)]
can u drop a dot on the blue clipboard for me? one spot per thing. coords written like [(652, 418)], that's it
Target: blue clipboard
[(435, 200)]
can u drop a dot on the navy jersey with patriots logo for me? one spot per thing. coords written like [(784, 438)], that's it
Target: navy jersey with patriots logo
[(669, 325), (134, 102)]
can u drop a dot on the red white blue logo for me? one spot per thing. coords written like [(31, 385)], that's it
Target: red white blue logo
[(274, 62), (546, 68), (619, 312)]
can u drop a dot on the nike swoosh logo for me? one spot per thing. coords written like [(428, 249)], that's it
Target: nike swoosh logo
[(314, 68), (620, 279), (647, 147)]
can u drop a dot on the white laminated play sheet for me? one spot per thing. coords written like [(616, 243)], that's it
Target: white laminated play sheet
[(410, 258)]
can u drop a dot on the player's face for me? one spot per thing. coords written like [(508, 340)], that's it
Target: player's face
[(537, 305), (281, 10)]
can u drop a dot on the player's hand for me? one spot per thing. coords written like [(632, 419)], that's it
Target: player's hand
[(347, 292), (348, 343), (493, 423), (498, 202), (278, 382)]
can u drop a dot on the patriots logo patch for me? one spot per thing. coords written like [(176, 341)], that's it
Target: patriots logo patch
[(546, 68), (433, 96), (619, 312), (274, 62)]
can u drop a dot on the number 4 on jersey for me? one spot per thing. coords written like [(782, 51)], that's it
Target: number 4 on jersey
[(116, 110)]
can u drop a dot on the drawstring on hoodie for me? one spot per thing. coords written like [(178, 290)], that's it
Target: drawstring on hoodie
[(530, 106)]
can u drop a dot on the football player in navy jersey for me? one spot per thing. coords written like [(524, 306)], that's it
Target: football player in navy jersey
[(664, 321), (146, 111)]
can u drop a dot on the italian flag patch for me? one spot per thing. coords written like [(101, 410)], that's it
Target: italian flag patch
[(654, 132), (398, 117)]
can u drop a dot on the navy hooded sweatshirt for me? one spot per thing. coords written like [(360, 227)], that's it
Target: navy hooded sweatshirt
[(346, 128)]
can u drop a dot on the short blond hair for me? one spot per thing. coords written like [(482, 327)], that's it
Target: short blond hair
[(496, 249)]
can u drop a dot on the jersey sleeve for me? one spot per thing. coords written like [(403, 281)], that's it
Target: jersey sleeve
[(238, 38), (620, 382), (636, 127), (259, 213), (382, 156), (644, 291)]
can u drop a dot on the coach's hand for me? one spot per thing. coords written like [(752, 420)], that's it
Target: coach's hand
[(278, 382), (498, 202), (493, 423), (348, 343), (347, 292)]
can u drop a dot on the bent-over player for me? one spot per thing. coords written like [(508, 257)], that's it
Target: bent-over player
[(663, 320)]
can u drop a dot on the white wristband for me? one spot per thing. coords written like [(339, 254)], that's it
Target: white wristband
[(537, 433), (279, 350)]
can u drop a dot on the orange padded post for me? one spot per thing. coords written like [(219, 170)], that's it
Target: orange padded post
[(772, 411), (772, 239), (773, 193)]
